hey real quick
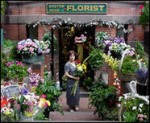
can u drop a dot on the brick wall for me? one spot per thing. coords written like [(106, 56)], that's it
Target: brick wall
[(15, 32), (111, 31), (137, 34)]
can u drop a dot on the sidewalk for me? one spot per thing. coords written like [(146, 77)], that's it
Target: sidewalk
[(85, 113)]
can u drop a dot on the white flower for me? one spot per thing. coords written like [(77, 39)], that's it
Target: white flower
[(134, 107), (140, 110), (120, 98), (118, 105), (141, 105)]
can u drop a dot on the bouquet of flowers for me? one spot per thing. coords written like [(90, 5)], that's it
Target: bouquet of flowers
[(29, 48), (7, 113), (80, 70), (80, 39)]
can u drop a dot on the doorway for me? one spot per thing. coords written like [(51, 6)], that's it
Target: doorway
[(67, 35)]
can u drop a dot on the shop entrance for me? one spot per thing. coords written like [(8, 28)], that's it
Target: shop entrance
[(67, 36)]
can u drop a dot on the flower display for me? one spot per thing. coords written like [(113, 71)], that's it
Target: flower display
[(116, 46), (80, 70), (29, 48), (100, 37), (7, 112), (16, 70), (26, 104), (134, 109), (80, 39)]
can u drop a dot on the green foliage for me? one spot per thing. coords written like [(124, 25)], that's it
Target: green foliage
[(7, 118), (48, 37), (100, 36), (40, 115), (64, 82), (88, 83), (3, 6), (139, 49), (16, 72), (144, 18), (103, 97), (129, 65), (95, 58), (8, 43), (132, 107), (52, 93)]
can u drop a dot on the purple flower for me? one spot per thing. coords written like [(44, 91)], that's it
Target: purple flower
[(24, 91)]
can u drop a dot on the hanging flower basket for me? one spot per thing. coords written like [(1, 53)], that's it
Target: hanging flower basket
[(33, 59)]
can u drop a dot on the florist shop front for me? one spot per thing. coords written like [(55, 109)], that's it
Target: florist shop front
[(72, 25)]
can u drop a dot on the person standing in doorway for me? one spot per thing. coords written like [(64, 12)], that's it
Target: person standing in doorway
[(69, 69)]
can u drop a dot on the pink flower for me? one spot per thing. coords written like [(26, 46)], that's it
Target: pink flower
[(31, 49), (43, 96), (20, 47), (29, 70)]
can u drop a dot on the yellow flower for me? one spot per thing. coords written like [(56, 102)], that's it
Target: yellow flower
[(84, 67), (43, 103), (33, 89), (28, 114)]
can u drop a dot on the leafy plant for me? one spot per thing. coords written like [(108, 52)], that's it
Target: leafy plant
[(52, 94), (100, 36), (144, 18), (88, 83), (133, 109), (103, 97), (95, 58), (139, 49), (48, 37), (129, 65), (3, 6), (8, 43), (16, 70)]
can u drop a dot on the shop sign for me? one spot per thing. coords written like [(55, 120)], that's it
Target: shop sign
[(76, 8)]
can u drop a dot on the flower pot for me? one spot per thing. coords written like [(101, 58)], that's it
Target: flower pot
[(33, 59), (126, 77)]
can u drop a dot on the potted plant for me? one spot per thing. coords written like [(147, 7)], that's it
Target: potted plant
[(46, 87), (16, 71), (32, 50), (133, 108), (103, 97), (126, 70), (95, 58)]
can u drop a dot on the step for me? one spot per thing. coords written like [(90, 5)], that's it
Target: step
[(74, 116)]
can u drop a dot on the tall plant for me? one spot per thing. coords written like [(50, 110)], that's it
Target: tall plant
[(144, 17)]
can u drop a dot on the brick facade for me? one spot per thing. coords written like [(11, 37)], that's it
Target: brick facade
[(15, 32), (30, 11)]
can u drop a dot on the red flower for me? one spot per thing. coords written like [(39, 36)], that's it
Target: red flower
[(141, 7), (4, 102), (77, 61)]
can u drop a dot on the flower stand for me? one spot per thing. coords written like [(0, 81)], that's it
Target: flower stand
[(34, 59)]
